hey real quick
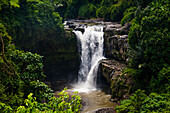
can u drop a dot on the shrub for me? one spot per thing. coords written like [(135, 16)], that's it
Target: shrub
[(156, 103), (87, 11), (101, 12), (107, 2), (29, 65), (40, 90), (140, 103), (150, 32), (116, 10), (132, 105), (63, 103), (128, 15)]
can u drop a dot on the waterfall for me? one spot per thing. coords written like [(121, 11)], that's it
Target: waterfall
[(91, 51)]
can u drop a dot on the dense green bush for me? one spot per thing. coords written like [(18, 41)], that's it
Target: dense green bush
[(140, 103), (30, 65), (40, 90), (107, 2), (63, 103), (31, 23), (149, 57), (101, 12), (149, 37), (17, 70), (87, 11), (156, 103), (133, 104), (116, 10), (128, 15)]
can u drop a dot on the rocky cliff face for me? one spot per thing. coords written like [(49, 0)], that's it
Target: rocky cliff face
[(116, 46), (63, 63), (121, 83)]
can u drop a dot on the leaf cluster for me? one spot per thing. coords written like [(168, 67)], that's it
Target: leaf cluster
[(149, 44), (139, 102), (63, 103)]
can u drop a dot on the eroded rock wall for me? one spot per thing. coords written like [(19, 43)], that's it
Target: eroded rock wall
[(116, 45), (121, 83)]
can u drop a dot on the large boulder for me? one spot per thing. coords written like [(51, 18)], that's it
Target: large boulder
[(105, 110)]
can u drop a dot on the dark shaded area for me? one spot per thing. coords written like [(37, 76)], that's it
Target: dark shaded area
[(102, 81), (61, 58)]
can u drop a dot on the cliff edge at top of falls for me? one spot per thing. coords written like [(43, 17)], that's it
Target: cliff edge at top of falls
[(115, 36)]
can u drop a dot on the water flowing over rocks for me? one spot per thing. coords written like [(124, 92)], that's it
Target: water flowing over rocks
[(90, 45), (116, 51), (115, 36)]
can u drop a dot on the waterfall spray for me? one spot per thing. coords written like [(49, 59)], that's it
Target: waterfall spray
[(91, 52)]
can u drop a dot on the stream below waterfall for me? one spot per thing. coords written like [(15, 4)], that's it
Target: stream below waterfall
[(90, 44), (94, 100)]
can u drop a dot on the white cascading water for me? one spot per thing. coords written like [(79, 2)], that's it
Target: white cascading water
[(91, 50)]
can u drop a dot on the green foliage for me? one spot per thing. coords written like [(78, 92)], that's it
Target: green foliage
[(63, 103), (3, 96), (149, 41), (106, 9), (5, 108), (162, 84), (10, 82), (87, 11), (128, 15), (107, 2), (29, 64), (116, 10), (40, 90), (5, 36), (32, 23), (101, 12), (133, 104), (157, 103), (140, 103), (14, 3)]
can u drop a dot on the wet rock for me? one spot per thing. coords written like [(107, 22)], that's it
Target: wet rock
[(105, 110), (80, 29), (69, 22), (73, 26), (111, 69), (123, 30), (121, 84), (117, 47)]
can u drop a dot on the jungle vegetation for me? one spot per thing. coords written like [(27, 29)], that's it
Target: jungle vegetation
[(40, 21)]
